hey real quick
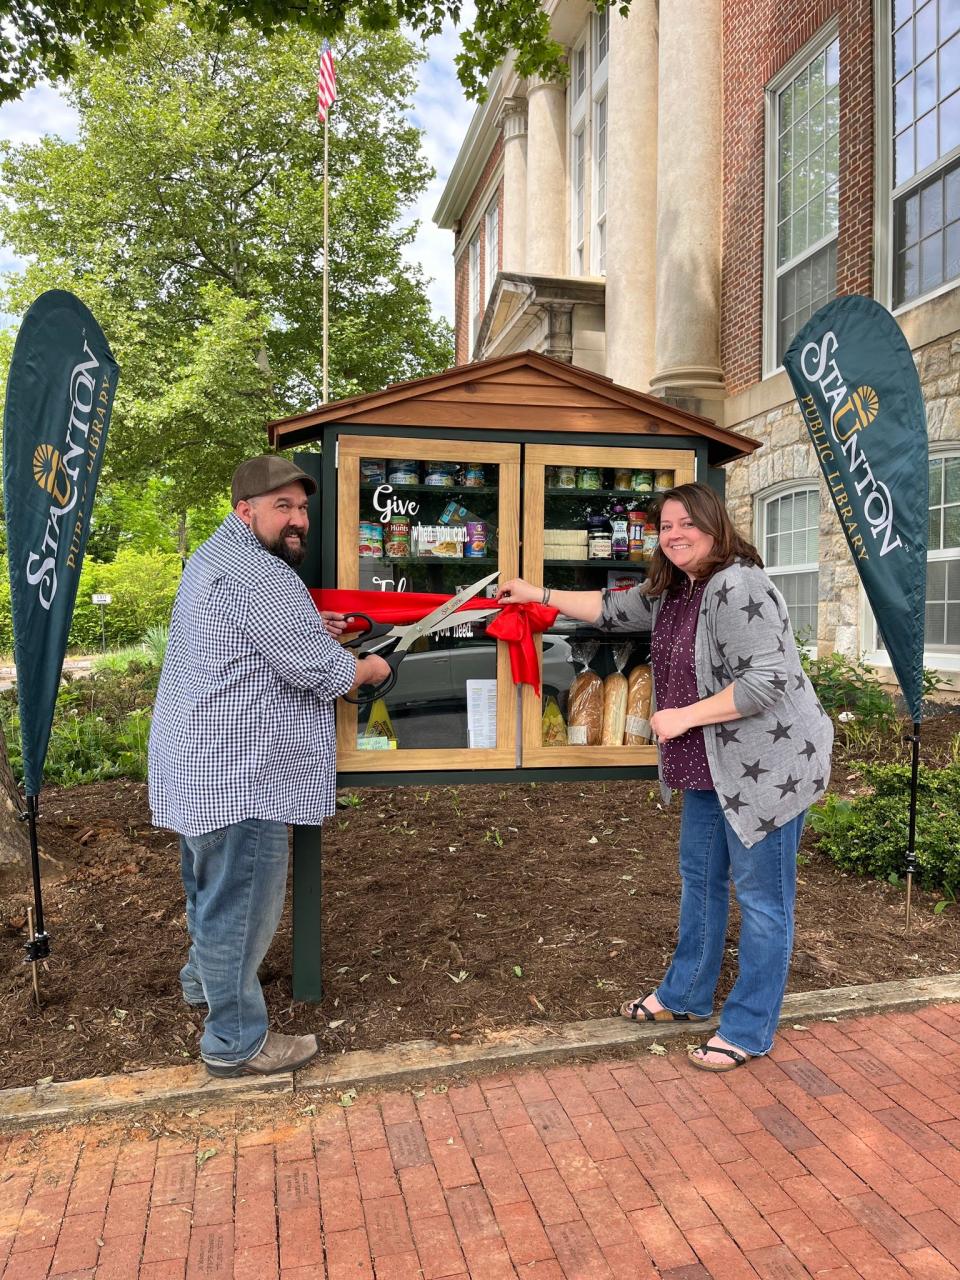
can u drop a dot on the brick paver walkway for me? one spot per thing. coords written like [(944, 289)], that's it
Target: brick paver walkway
[(836, 1157)]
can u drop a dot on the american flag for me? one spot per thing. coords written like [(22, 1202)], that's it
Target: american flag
[(326, 82)]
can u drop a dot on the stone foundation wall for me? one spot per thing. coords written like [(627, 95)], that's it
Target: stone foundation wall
[(787, 455)]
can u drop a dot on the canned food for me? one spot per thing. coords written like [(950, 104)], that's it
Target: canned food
[(588, 478), (473, 477), (476, 545), (401, 472), (566, 477), (621, 478), (663, 480), (642, 482), (371, 538), (398, 538), (441, 475), (372, 470)]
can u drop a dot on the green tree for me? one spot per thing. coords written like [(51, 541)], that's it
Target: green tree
[(39, 36), (188, 215)]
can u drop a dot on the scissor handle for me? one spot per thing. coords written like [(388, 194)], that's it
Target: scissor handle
[(367, 693), (361, 636)]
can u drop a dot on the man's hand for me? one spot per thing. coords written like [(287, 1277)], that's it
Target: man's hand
[(333, 622), (371, 670), (673, 722)]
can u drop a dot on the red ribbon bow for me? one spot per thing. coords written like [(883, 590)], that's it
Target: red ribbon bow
[(516, 624)]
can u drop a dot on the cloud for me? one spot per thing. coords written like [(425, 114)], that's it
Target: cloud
[(443, 114)]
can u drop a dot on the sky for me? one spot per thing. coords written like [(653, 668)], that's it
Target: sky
[(440, 110)]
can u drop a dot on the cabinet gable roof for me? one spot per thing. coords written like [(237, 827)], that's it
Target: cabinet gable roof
[(522, 391)]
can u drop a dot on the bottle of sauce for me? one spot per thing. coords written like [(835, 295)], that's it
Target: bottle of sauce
[(635, 522), (599, 542), (620, 538)]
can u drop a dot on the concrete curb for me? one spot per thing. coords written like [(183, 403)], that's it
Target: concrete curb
[(421, 1059)]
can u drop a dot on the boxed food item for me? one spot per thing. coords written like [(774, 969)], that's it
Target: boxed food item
[(438, 542)]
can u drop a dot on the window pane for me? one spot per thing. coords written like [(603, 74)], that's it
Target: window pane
[(785, 108), (952, 628), (833, 63), (934, 623), (931, 209), (934, 542), (936, 580), (818, 77), (926, 29), (951, 198), (949, 17), (903, 50), (903, 161), (926, 85), (936, 481), (931, 262), (951, 527), (926, 132), (903, 102), (950, 67), (950, 124), (801, 94), (902, 10)]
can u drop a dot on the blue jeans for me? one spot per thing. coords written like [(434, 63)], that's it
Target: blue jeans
[(235, 879), (765, 882)]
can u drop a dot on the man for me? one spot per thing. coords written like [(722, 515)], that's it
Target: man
[(243, 743)]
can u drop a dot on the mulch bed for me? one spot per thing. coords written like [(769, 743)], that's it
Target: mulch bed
[(447, 912)]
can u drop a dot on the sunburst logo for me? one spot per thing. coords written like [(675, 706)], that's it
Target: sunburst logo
[(862, 407), (50, 475)]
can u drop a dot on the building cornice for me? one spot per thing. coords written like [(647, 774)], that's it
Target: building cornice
[(472, 157)]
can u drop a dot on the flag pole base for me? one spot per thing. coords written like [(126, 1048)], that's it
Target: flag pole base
[(38, 948), (909, 888)]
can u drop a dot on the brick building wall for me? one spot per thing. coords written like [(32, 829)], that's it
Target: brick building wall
[(461, 255), (759, 39)]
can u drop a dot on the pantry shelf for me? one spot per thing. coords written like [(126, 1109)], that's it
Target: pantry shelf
[(602, 493), (633, 565), (461, 490)]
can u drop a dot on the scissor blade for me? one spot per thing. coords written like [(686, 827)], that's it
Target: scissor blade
[(434, 619), (463, 619)]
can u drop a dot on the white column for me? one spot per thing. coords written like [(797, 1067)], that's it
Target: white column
[(688, 200), (513, 122), (546, 180), (632, 195)]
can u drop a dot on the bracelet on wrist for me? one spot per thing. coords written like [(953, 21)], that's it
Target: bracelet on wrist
[(546, 596)]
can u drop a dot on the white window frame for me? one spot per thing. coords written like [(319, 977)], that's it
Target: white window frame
[(491, 234), (937, 659), (884, 248), (600, 39), (579, 135), (598, 227), (812, 49), (473, 290), (811, 484)]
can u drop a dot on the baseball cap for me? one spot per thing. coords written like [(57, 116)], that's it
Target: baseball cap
[(261, 475)]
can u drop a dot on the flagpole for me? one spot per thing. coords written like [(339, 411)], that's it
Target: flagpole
[(912, 836), (326, 228), (38, 947)]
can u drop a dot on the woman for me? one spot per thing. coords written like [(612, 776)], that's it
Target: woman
[(742, 735)]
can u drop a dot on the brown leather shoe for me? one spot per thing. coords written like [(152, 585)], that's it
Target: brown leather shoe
[(279, 1053)]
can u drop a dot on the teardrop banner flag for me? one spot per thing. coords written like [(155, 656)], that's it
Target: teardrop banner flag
[(60, 391), (858, 389)]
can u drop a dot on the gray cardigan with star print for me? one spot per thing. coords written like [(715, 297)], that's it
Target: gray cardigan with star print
[(775, 762)]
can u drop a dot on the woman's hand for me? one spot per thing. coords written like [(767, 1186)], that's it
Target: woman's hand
[(672, 722), (516, 591)]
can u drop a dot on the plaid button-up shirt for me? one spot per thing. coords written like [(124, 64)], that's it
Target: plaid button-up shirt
[(243, 722)]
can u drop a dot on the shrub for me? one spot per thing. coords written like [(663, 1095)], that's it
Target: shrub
[(142, 583), (869, 835), (850, 684)]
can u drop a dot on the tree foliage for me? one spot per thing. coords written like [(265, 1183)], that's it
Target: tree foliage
[(189, 216), (38, 38)]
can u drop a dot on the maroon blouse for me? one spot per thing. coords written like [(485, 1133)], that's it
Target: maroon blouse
[(673, 657)]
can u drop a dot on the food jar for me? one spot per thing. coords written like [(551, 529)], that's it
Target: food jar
[(635, 523), (402, 472), (642, 482), (566, 477), (650, 539), (473, 477), (599, 541), (663, 480), (398, 538), (621, 478), (371, 538), (588, 478)]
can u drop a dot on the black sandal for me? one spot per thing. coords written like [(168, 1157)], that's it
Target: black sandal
[(737, 1059), (637, 1011)]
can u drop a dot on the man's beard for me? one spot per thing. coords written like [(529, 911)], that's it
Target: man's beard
[(290, 554)]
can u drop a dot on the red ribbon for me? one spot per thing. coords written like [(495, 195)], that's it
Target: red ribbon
[(516, 624)]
